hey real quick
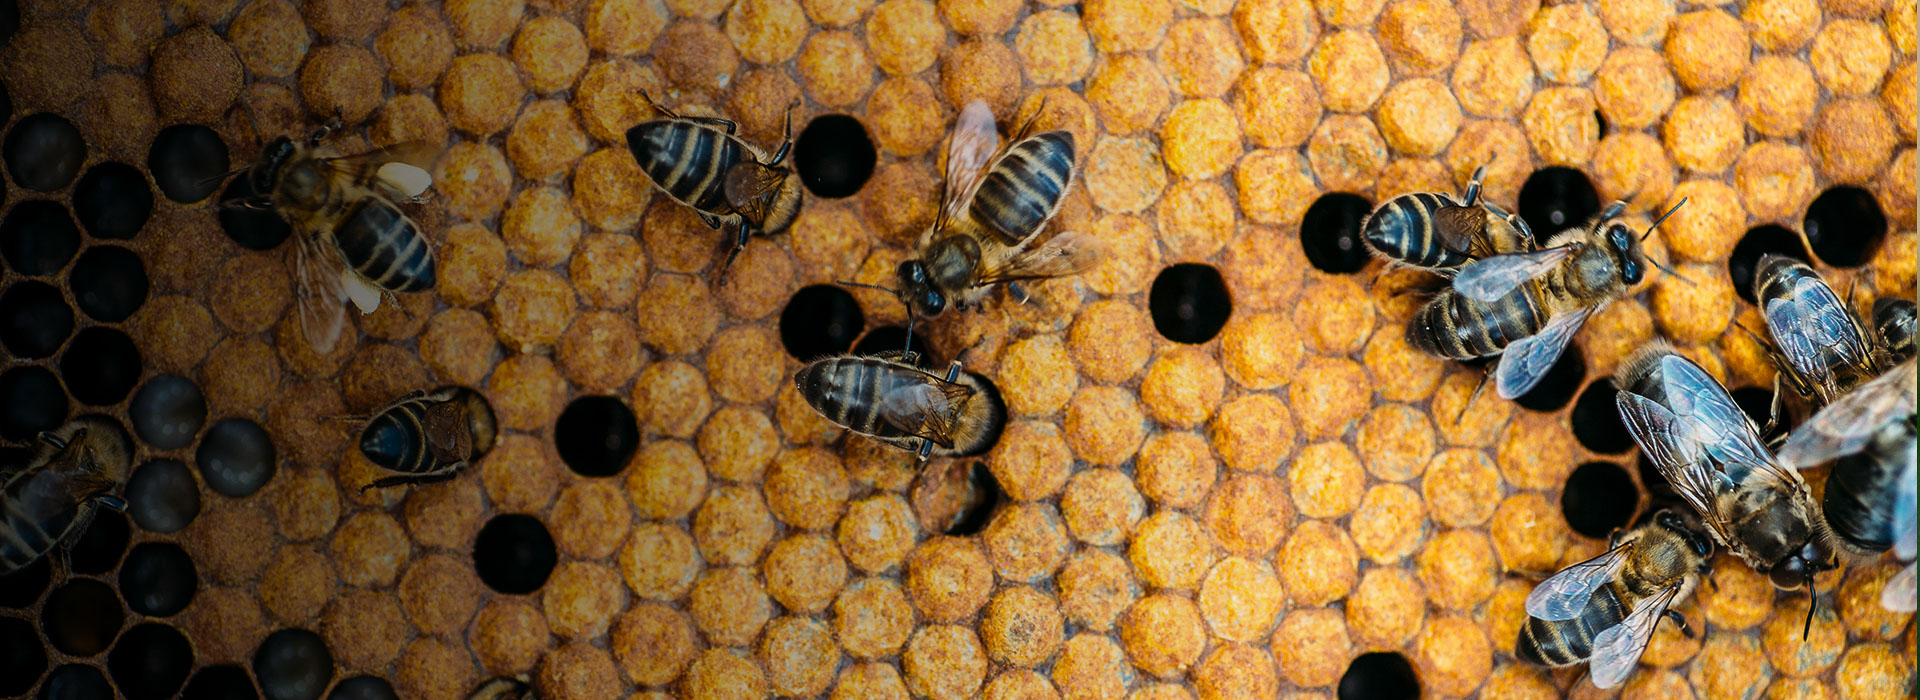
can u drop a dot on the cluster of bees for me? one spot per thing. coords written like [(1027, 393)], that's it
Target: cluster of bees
[(1508, 296), (1519, 302)]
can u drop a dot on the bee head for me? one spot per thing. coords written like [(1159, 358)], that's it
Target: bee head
[(918, 291), (271, 158), (1799, 568), (1628, 256)]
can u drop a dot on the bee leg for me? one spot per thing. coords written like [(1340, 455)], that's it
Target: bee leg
[(1477, 388), (713, 222), (739, 244), (52, 440), (1018, 292), (412, 479), (786, 136), (1680, 620), (1473, 186)]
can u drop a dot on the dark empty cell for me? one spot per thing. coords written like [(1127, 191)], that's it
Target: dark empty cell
[(22, 588), (34, 319), (254, 229), (31, 400), (112, 200), (44, 152), (1845, 226), (76, 682), (293, 664), (1758, 243), (81, 617), (983, 496), (1757, 403), (363, 688), (1660, 494), (37, 237), (150, 661), (1601, 119), (1189, 303), (223, 682), (596, 435), (109, 283), (21, 655), (158, 579), (99, 548), (1557, 198), (820, 320), (162, 496), (1380, 675), (1599, 497), (893, 339), (187, 162), (1596, 419), (1330, 232), (834, 156), (167, 411), (513, 554), (1557, 388), (100, 366), (236, 457)]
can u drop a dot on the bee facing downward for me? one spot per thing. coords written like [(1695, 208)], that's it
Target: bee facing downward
[(994, 205), (352, 242), (1437, 233), (50, 500), (699, 162), (426, 437), (1818, 346), (1526, 306), (1603, 610), (887, 398)]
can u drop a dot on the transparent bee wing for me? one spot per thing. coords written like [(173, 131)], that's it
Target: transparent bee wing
[(1677, 456), (1904, 510), (1898, 595), (1527, 360), (1844, 426), (1709, 416), (1617, 649), (1565, 595), (1488, 279), (924, 409), (974, 142), (1811, 323), (1067, 253), (750, 187), (318, 295)]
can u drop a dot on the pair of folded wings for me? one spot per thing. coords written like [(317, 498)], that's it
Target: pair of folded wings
[(929, 410)]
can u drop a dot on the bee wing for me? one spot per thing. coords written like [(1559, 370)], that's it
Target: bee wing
[(1709, 416), (1898, 594), (1490, 278), (1811, 322), (1067, 253), (1565, 595), (1904, 507), (974, 142), (1617, 649), (402, 170), (318, 293), (925, 410), (1527, 360), (1680, 459), (750, 188), (1845, 426)]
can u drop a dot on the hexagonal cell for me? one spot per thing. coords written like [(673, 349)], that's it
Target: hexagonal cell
[(222, 682), (100, 547), (77, 682), (1596, 419), (162, 496), (253, 229), (21, 653), (363, 688), (1189, 303), (1557, 198), (187, 162), (834, 156), (1761, 241), (514, 554), (82, 617), (1598, 497), (108, 282), (112, 200), (31, 400), (895, 339), (150, 661), (100, 366), (1558, 386), (167, 412), (1379, 675), (43, 152), (22, 588), (1845, 225), (293, 664), (158, 579), (596, 435), (236, 457), (38, 237), (1330, 232), (34, 319), (820, 320)]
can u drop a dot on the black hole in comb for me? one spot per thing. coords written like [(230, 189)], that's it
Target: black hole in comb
[(223, 682), (109, 283), (81, 617), (187, 161), (34, 319), (1596, 419), (44, 152), (1558, 387), (1744, 262), (100, 366), (37, 237), (513, 554), (158, 579), (1556, 198), (1845, 226), (1380, 675), (596, 435), (834, 156), (99, 548), (150, 661), (1599, 496), (1189, 303), (820, 320), (892, 339), (31, 400), (113, 200), (253, 229), (22, 656), (1330, 232)]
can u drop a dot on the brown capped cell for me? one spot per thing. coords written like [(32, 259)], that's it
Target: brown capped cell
[(872, 618), (1349, 70), (1022, 627), (1172, 550), (306, 504), (1313, 647), (1896, 272), (676, 314), (600, 352), (767, 31), (728, 605), (1278, 107), (1859, 603), (1405, 374), (1032, 461), (1708, 49), (475, 179), (659, 561), (1559, 122), (1236, 671), (1421, 37), (1348, 13), (369, 548), (1632, 167), (623, 28), (365, 629), (744, 363), (1506, 611), (1101, 507), (539, 227), (1095, 587), (547, 141), (800, 656), (1852, 138), (696, 55), (1778, 95), (1104, 425), (1900, 19), (1054, 48), (1782, 25), (531, 310), (409, 117), (1252, 433), (1703, 133), (1036, 375), (1182, 386), (905, 116), (297, 585), (1336, 315), (1567, 43), (1418, 117), (869, 680), (1277, 31), (590, 519), (1467, 424), (195, 76), (471, 263), (484, 25), (1386, 608), (1536, 452), (944, 661), (905, 36), (123, 101), (898, 204), (670, 397), (1027, 542), (1164, 635), (1196, 217), (51, 63), (1327, 481), (1695, 314), (805, 572), (1401, 176), (581, 599), (1616, 332), (1453, 655), (1019, 684), (521, 474), (835, 69), (1110, 340), (807, 489), (1775, 180), (760, 281), (724, 673), (269, 37), (1328, 394), (1261, 351), (1738, 597), (1637, 22), (440, 593), (1493, 78), (653, 643), (1389, 523), (950, 578), (1462, 488), (230, 540), (1793, 655), (1868, 670), (829, 241), (446, 515), (241, 375), (1901, 96), (1458, 569), (1729, 665), (1240, 600), (1122, 25), (981, 70), (1850, 56), (1347, 153), (1318, 563), (1175, 469), (1634, 88), (737, 443), (227, 623), (1200, 138), (877, 533), (1093, 664), (1276, 186), (1395, 442), (732, 525), (1205, 58)]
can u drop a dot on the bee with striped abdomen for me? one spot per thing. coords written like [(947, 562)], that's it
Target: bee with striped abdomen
[(1526, 306), (699, 162), (425, 437), (994, 205), (352, 242), (887, 398), (1894, 322), (1435, 232), (1603, 610), (1819, 347), (48, 501)]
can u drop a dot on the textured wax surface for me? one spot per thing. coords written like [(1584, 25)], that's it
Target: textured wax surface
[(1239, 518)]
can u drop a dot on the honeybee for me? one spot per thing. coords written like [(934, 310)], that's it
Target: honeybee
[(1712, 455), (504, 688), (352, 242), (426, 437), (1604, 610), (1894, 321), (1819, 348), (887, 398), (1526, 306), (699, 162), (49, 500), (1438, 233), (995, 202)]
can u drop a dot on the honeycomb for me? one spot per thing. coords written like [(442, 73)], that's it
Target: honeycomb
[(1226, 474)]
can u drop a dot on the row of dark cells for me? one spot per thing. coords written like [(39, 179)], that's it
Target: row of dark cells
[(998, 199)]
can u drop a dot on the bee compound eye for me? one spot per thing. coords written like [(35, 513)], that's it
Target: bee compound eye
[(1789, 573)]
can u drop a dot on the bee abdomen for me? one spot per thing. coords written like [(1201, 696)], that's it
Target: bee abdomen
[(1860, 501), (1566, 642), (384, 246), (395, 440), (1025, 187), (686, 160), (29, 529), (1403, 229), (1458, 328), (847, 391)]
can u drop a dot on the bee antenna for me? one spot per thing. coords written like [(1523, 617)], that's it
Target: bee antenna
[(227, 174), (1671, 271), (1813, 601), (907, 350), (850, 283), (1663, 217)]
